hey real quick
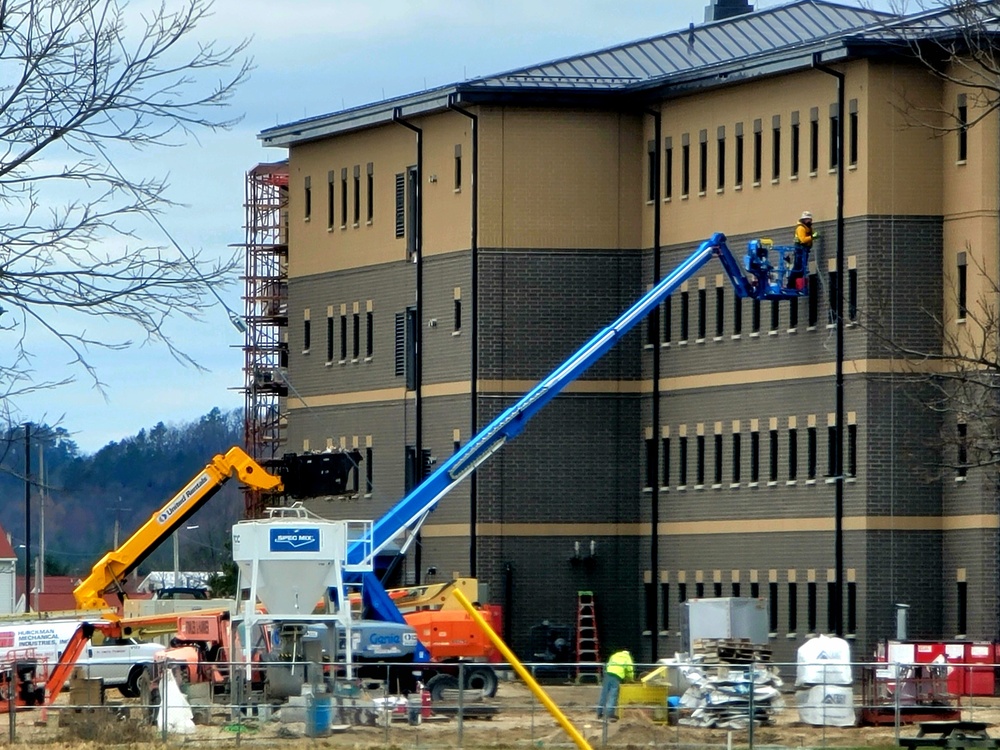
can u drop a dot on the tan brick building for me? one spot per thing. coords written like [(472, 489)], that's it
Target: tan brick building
[(446, 250)]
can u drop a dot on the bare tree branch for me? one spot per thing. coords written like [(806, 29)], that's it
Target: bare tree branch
[(79, 79)]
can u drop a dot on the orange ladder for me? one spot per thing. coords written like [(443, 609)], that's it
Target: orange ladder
[(587, 649)]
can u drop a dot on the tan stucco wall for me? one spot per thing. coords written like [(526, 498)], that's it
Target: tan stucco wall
[(317, 248), (559, 179)]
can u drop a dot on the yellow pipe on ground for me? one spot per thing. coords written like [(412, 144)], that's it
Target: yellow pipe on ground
[(553, 709)]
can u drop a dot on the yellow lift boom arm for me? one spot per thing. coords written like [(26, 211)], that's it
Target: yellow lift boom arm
[(117, 564)]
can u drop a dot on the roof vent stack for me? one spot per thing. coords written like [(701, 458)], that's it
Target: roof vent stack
[(718, 10)]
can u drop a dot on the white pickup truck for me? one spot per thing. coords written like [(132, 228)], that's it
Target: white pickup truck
[(119, 662)]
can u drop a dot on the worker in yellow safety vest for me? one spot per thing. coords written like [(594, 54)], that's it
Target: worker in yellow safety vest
[(619, 669)]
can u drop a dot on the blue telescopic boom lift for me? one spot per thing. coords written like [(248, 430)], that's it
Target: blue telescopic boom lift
[(779, 277)]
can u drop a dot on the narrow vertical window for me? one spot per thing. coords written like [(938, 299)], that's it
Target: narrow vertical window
[(795, 144), (813, 140), (772, 474), (682, 461), (737, 458), (369, 474), (754, 590), (811, 605), (852, 607), (308, 198), (720, 318), (652, 330), (356, 350), (831, 451), (775, 314), (458, 166), (737, 315), (834, 137), (755, 316), (700, 463), (401, 204), (685, 165), (343, 337), (699, 589), (399, 344), (357, 194), (736, 589), (772, 606), (717, 589), (355, 478), (330, 177), (852, 133), (458, 314), (758, 151), (718, 459), (852, 450), (684, 316), (963, 132), (793, 454), (370, 202), (651, 468), (720, 143), (667, 322), (668, 168), (369, 334), (650, 592), (831, 616), (813, 299), (963, 287), (665, 604), (343, 197), (329, 338), (775, 147), (834, 295), (665, 451), (793, 313), (702, 162), (754, 456), (306, 334), (793, 615), (702, 312), (963, 607), (651, 171), (682, 593), (738, 156), (852, 294), (962, 470), (811, 453)]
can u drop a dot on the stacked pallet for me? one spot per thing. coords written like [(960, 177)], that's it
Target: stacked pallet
[(729, 651), (726, 698)]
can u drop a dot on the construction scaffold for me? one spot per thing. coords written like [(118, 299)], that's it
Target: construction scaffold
[(266, 315)]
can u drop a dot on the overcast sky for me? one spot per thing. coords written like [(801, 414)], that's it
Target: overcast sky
[(313, 57)]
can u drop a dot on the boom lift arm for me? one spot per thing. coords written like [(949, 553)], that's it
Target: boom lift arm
[(783, 279), (115, 565)]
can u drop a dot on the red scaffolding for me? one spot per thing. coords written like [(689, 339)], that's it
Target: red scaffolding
[(266, 315)]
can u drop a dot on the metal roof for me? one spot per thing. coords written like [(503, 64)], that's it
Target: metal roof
[(763, 42), (739, 38)]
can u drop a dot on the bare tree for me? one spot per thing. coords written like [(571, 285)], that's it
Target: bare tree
[(81, 83), (958, 42)]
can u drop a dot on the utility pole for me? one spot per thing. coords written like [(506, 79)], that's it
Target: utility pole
[(27, 516), (42, 496)]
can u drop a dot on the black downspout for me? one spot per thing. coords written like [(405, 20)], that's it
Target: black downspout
[(418, 421), (474, 312), (838, 532), (654, 513)]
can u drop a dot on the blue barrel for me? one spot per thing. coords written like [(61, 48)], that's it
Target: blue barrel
[(319, 715)]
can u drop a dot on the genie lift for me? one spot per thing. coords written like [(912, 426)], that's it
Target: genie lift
[(775, 273)]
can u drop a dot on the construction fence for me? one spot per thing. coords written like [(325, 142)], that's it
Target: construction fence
[(835, 705)]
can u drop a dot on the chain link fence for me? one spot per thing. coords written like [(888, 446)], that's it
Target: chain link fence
[(696, 704)]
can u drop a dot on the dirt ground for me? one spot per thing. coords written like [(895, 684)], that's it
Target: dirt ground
[(516, 719)]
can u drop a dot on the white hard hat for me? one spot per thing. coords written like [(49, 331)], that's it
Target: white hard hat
[(805, 215)]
